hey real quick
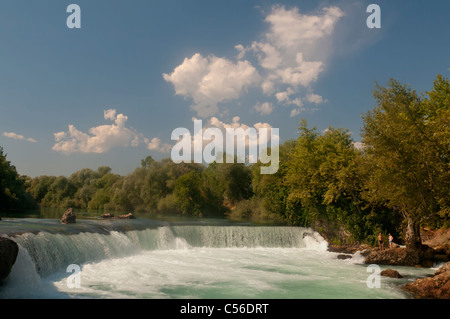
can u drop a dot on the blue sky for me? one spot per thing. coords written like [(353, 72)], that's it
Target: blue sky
[(112, 92)]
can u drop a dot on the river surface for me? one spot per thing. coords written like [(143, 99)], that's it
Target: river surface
[(194, 259)]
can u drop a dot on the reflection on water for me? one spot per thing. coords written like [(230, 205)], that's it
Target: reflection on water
[(50, 213), (83, 214)]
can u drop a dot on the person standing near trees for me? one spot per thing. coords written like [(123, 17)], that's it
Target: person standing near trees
[(391, 239), (380, 241)]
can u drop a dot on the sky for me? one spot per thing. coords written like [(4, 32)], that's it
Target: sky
[(112, 91)]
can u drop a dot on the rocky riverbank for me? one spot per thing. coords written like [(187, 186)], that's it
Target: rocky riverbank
[(435, 250), (435, 287)]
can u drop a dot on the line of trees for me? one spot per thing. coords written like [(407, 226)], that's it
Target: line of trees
[(396, 182), (155, 187)]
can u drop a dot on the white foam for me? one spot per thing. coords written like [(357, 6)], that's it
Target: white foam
[(23, 281), (357, 258), (315, 241)]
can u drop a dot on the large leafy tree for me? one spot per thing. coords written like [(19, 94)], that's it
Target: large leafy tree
[(324, 179), (13, 193), (406, 138)]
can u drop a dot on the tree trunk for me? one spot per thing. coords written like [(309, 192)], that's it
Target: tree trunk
[(413, 242)]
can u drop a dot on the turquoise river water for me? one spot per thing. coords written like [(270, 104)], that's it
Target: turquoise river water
[(197, 259)]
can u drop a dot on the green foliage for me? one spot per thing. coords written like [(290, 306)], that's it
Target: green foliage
[(324, 179), (401, 175), (255, 210), (13, 193), (237, 182), (188, 194), (408, 139)]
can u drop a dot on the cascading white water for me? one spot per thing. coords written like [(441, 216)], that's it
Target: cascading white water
[(185, 260), (54, 252)]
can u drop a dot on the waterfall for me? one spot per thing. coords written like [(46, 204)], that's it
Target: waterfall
[(52, 252)]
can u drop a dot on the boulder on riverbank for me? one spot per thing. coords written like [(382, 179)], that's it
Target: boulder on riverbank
[(400, 256), (393, 257), (439, 240), (391, 273), (8, 254), (436, 287), (68, 217)]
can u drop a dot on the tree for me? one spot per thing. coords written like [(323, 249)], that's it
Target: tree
[(213, 186), (406, 140), (272, 189), (147, 162), (188, 193), (323, 184), (13, 193), (237, 181)]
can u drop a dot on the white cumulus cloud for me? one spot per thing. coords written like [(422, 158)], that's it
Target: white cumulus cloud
[(292, 53), (289, 58), (211, 80), (291, 29), (99, 139)]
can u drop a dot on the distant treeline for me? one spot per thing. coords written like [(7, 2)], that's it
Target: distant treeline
[(397, 179)]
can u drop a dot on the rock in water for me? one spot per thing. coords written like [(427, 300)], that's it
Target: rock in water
[(391, 273), (68, 217), (436, 287), (8, 255), (107, 215), (344, 256)]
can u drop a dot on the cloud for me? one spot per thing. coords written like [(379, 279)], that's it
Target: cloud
[(295, 41), (109, 114), (290, 56), (291, 29), (314, 98), (19, 137), (263, 108), (211, 80), (272, 137), (156, 145), (99, 139), (236, 125), (284, 95), (292, 53), (269, 57), (303, 73), (296, 112)]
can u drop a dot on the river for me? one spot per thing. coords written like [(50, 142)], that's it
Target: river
[(187, 258)]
